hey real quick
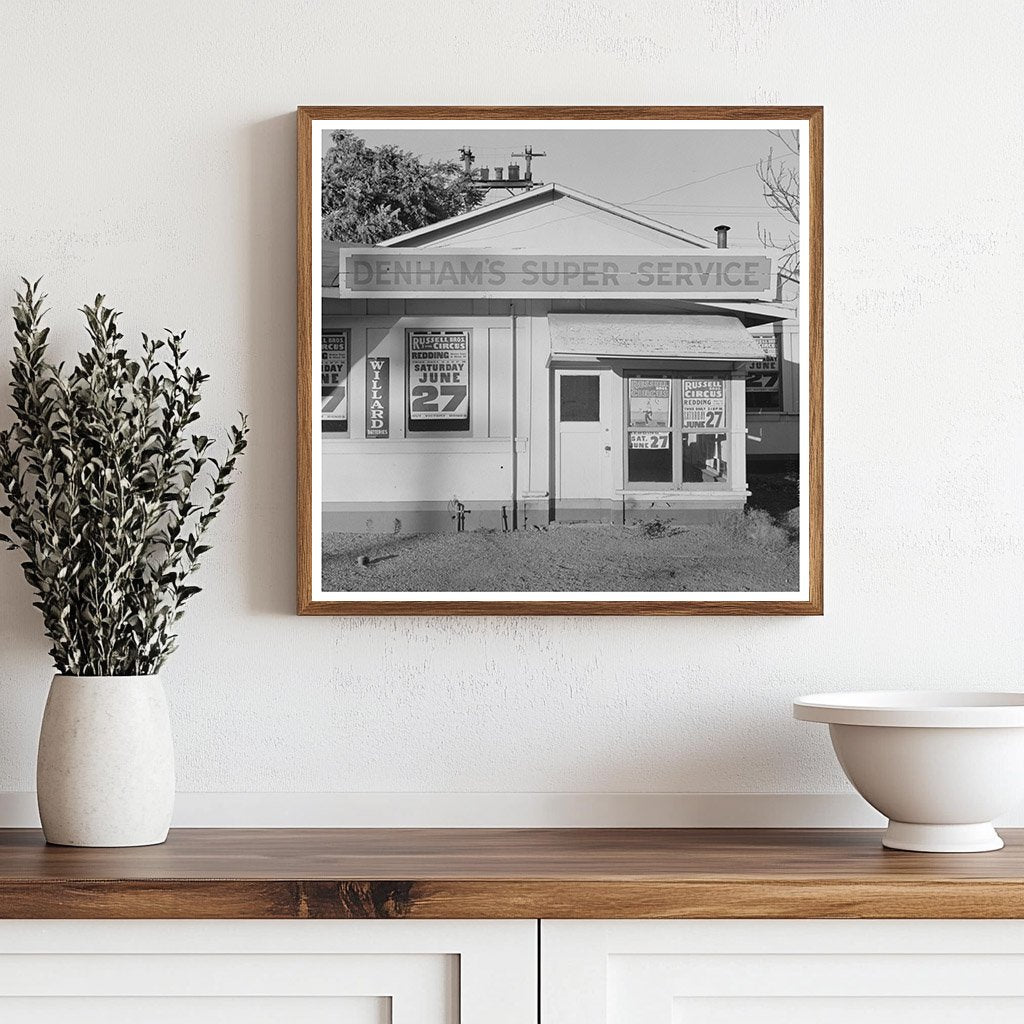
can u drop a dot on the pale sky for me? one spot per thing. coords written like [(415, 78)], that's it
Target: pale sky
[(694, 179)]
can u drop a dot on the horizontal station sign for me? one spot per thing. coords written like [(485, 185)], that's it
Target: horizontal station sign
[(417, 273)]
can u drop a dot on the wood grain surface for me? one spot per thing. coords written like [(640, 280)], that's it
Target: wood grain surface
[(813, 265), (508, 873)]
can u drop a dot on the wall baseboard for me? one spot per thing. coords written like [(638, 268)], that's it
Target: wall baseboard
[(504, 810)]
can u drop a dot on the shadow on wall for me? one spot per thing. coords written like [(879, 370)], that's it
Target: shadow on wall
[(21, 633), (269, 302)]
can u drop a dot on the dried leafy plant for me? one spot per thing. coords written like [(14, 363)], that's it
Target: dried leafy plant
[(109, 495)]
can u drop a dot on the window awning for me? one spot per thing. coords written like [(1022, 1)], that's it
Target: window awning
[(651, 336)]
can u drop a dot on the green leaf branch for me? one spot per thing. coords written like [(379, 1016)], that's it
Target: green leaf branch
[(109, 494)]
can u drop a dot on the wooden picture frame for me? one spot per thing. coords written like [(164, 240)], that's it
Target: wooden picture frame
[(807, 600)]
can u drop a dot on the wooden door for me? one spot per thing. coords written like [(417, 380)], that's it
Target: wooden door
[(583, 443)]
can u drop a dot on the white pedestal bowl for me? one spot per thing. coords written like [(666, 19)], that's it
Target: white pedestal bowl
[(940, 766)]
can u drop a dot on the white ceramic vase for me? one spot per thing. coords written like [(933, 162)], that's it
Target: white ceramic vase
[(105, 771)]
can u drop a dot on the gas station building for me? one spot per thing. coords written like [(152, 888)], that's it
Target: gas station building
[(551, 357)]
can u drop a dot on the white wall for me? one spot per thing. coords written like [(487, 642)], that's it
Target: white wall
[(147, 150)]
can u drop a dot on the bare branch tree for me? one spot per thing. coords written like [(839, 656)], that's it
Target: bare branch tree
[(780, 183)]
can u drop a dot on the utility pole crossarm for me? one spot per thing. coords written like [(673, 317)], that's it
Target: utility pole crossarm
[(528, 154), (506, 178)]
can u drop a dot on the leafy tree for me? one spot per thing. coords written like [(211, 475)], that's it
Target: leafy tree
[(374, 193)]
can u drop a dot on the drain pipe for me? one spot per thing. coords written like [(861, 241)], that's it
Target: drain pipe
[(515, 462)]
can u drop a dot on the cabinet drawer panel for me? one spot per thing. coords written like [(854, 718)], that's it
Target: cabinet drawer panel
[(433, 977), (189, 1010), (796, 972), (299, 972), (848, 1010)]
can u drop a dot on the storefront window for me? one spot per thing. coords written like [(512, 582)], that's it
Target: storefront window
[(763, 376), (438, 380), (334, 382), (676, 430)]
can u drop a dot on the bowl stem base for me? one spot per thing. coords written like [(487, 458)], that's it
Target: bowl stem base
[(978, 838)]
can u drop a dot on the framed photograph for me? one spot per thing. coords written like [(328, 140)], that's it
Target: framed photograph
[(560, 360)]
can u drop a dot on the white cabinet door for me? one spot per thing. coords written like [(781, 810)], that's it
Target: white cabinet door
[(782, 972), (258, 972)]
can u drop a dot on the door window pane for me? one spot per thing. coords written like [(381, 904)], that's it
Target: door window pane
[(580, 398)]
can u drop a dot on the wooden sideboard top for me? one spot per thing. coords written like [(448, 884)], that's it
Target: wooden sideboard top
[(508, 873)]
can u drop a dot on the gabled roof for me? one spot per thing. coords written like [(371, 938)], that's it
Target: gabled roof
[(524, 200)]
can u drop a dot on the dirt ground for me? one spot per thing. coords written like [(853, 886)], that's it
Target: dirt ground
[(744, 552)]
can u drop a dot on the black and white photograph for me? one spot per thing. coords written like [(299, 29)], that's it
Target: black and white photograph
[(559, 360)]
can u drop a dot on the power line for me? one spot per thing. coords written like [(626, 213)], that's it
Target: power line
[(697, 181), (586, 213)]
